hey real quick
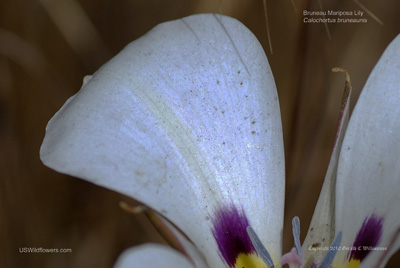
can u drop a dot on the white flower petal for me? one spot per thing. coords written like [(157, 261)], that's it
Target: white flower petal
[(186, 247), (186, 120), (152, 256), (368, 180), (321, 231)]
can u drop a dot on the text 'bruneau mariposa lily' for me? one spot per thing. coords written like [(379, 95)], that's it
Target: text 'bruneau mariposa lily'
[(186, 120)]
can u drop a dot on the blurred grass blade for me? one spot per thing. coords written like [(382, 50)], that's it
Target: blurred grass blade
[(76, 27)]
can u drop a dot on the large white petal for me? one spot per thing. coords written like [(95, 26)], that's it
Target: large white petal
[(368, 181), (152, 256), (186, 120)]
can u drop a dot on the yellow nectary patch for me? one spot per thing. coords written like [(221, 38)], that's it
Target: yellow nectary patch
[(350, 264), (249, 261)]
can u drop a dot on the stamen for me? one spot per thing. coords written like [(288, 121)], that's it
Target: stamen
[(326, 263), (294, 258), (261, 250), (296, 235)]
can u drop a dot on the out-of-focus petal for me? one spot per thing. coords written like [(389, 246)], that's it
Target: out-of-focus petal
[(152, 256), (186, 120)]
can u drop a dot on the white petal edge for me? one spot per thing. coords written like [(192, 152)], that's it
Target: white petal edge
[(152, 256), (368, 178), (184, 119)]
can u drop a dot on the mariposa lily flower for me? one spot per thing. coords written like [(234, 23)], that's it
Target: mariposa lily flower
[(186, 120)]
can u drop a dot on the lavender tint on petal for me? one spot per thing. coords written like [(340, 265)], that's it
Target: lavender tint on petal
[(229, 230), (369, 236)]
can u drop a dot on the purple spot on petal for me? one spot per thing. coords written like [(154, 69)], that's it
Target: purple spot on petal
[(229, 231), (313, 265), (368, 237)]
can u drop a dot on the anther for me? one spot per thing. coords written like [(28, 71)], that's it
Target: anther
[(328, 259), (296, 235), (261, 250), (294, 258)]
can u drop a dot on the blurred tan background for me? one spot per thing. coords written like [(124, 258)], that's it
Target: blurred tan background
[(47, 46)]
